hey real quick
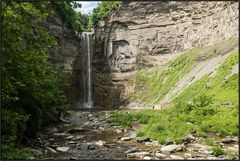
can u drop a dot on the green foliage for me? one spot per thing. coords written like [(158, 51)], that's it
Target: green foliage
[(209, 142), (222, 87), (174, 123), (217, 151), (32, 91), (11, 153), (102, 11), (152, 84), (70, 16)]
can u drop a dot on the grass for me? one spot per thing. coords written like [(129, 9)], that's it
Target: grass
[(217, 151), (152, 84), (220, 88), (209, 142), (176, 122)]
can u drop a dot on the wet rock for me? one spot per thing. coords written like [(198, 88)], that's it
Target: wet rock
[(51, 150), (131, 150), (228, 140), (51, 139), (142, 139), (137, 154), (63, 149), (146, 158), (100, 143), (77, 137), (101, 128), (169, 141), (171, 148), (72, 142), (176, 157), (160, 155), (152, 143), (52, 130), (212, 158), (131, 134), (32, 158), (69, 137), (188, 155), (73, 158), (60, 134), (119, 130), (110, 145), (75, 130), (92, 147), (35, 152), (125, 138), (187, 139), (87, 123), (83, 146), (55, 145)]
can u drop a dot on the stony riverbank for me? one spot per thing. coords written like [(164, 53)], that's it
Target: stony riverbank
[(89, 135)]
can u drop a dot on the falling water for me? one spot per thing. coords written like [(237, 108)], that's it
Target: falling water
[(87, 50)]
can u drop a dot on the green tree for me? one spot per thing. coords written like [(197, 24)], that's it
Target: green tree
[(102, 11), (32, 90)]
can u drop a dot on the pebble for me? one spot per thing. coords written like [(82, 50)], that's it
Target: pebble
[(160, 155), (63, 149), (138, 154), (142, 139), (146, 158), (69, 137), (176, 157), (118, 130), (100, 143), (51, 150), (125, 138), (73, 158), (131, 150)]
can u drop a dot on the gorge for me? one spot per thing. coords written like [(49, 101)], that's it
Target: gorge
[(139, 35), (132, 80)]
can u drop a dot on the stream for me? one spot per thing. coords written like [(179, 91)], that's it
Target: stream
[(87, 134)]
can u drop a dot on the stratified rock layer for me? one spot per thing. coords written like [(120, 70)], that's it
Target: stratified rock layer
[(68, 53), (149, 33)]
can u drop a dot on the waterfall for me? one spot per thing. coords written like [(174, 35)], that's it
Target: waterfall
[(87, 52)]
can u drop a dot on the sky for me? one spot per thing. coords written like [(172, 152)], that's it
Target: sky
[(87, 6)]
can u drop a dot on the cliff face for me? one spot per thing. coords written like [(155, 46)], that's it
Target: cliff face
[(142, 34), (68, 53)]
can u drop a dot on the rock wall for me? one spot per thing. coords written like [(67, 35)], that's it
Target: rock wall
[(68, 53), (152, 33)]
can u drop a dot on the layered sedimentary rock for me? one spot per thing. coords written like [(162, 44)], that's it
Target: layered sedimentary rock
[(68, 53), (139, 34)]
